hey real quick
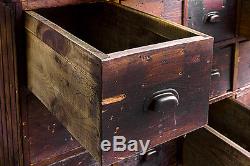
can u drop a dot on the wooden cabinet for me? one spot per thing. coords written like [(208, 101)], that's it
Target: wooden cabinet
[(104, 69), (136, 72)]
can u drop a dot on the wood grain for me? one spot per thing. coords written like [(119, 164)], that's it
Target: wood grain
[(10, 138), (167, 9), (208, 147), (36, 4), (138, 73), (144, 54), (60, 85)]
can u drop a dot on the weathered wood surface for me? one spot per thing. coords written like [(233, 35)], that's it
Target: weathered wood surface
[(221, 76), (162, 155), (244, 67), (167, 9), (208, 147), (73, 78), (183, 65), (232, 120), (49, 141), (36, 4), (221, 30), (243, 17), (65, 81), (10, 136)]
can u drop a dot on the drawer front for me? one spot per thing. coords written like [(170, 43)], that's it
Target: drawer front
[(129, 83), (244, 65), (167, 9), (221, 71), (215, 18)]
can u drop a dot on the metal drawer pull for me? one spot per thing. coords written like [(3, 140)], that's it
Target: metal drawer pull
[(212, 17), (161, 100), (215, 72)]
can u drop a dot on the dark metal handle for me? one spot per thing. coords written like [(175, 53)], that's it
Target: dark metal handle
[(215, 72), (212, 17), (160, 100)]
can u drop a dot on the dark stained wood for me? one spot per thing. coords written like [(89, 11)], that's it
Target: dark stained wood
[(243, 18), (10, 141), (244, 65), (144, 54), (232, 120), (36, 4), (208, 147), (49, 141), (162, 155), (167, 9), (179, 66), (223, 30), (221, 75)]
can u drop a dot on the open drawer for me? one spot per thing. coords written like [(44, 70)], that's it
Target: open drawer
[(208, 147), (232, 119), (104, 69)]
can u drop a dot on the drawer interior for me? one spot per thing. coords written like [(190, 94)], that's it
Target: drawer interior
[(110, 27), (208, 147), (232, 119)]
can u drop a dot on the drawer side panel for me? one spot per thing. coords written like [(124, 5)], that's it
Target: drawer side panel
[(69, 91)]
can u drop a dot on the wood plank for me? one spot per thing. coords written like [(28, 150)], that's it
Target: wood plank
[(49, 141), (208, 147), (232, 120), (60, 85), (10, 122), (36, 4), (244, 25), (167, 9)]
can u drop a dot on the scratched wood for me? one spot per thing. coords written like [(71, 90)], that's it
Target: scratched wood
[(76, 81), (10, 139), (208, 147)]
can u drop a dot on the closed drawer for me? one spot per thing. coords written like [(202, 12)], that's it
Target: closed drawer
[(103, 70), (221, 71), (216, 18), (244, 65)]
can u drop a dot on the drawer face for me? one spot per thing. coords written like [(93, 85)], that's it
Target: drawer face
[(129, 81), (221, 71), (167, 9), (244, 65), (216, 18), (118, 71)]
